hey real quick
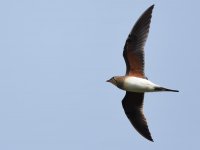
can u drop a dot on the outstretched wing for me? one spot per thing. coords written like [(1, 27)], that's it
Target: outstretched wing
[(134, 47), (133, 107)]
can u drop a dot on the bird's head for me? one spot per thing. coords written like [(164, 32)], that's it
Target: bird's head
[(117, 81)]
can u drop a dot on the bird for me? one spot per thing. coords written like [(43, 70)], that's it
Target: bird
[(134, 82)]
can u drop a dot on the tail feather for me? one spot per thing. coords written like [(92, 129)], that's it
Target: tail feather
[(165, 89)]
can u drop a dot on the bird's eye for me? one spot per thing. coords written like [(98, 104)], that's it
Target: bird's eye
[(113, 78)]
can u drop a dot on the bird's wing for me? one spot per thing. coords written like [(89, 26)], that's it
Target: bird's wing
[(133, 107), (134, 47)]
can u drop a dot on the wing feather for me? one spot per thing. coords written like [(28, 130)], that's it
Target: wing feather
[(134, 47), (133, 107)]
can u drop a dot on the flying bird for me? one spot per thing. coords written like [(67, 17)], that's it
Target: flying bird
[(135, 83)]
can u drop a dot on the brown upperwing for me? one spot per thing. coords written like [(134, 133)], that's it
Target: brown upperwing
[(134, 46), (133, 107)]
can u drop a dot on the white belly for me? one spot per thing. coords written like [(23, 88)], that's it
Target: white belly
[(134, 84)]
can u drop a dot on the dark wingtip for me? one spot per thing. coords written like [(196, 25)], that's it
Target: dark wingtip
[(149, 138), (149, 10), (151, 7)]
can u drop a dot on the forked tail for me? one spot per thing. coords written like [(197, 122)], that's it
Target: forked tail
[(165, 89)]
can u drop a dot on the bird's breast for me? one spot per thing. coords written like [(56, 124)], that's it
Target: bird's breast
[(135, 84)]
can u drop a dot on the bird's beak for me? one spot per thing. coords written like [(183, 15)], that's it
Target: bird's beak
[(107, 80)]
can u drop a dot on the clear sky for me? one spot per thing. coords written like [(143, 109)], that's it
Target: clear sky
[(55, 56)]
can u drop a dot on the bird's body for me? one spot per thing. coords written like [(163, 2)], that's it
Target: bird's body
[(135, 82)]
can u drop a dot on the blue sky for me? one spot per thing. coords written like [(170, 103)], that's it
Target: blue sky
[(56, 55)]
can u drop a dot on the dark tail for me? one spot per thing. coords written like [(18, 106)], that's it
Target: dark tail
[(165, 89)]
